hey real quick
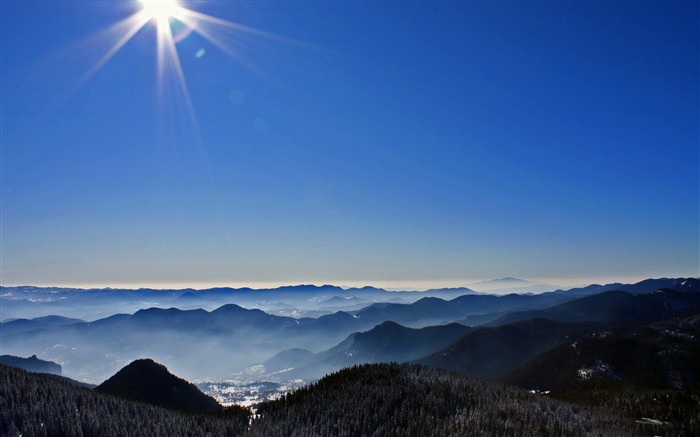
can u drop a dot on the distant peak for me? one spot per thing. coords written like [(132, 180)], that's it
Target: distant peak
[(508, 279)]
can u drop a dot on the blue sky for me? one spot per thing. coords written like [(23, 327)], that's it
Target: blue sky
[(386, 143)]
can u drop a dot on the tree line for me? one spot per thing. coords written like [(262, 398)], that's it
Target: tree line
[(365, 400)]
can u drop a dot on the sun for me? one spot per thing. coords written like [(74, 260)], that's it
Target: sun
[(161, 10), (173, 22)]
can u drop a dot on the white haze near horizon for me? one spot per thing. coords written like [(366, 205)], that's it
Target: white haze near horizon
[(489, 285)]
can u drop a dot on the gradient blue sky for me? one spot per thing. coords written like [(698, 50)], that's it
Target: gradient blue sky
[(386, 143)]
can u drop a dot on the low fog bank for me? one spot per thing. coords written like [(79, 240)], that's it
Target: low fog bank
[(292, 301)]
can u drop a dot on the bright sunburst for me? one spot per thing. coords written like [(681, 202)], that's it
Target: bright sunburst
[(161, 10), (173, 22)]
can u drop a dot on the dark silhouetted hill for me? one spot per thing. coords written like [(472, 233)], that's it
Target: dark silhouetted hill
[(149, 382), (39, 405)]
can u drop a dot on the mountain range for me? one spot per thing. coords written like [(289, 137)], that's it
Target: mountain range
[(500, 348), (424, 330), (93, 350), (297, 300)]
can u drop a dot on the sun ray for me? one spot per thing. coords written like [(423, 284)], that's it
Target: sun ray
[(210, 36), (162, 13), (125, 31), (169, 62), (198, 17), (166, 15)]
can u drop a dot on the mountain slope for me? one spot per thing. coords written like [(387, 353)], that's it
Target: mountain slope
[(663, 355), (390, 341), (613, 307), (386, 342), (520, 336), (642, 287), (288, 358), (149, 382), (31, 364), (408, 400), (493, 352), (19, 326)]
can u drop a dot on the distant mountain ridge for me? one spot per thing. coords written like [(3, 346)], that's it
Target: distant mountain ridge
[(386, 342), (686, 285), (17, 326), (506, 280), (646, 285), (31, 364), (612, 306), (180, 337), (293, 300)]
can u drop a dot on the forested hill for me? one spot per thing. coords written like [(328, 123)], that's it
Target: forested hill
[(149, 382), (37, 405), (372, 400), (402, 400)]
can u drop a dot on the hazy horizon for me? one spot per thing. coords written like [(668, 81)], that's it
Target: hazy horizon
[(484, 285)]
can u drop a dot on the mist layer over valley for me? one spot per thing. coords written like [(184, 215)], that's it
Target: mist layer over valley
[(80, 330), (235, 343)]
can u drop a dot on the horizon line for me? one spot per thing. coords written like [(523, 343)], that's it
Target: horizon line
[(387, 285)]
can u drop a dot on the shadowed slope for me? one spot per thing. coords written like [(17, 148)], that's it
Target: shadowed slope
[(150, 382)]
